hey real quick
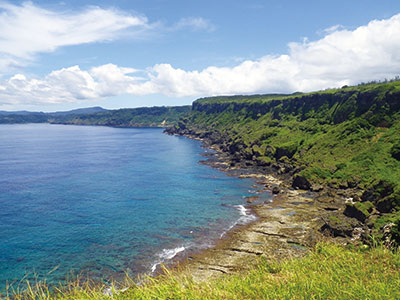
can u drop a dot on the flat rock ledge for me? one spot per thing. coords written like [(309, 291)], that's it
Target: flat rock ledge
[(286, 228)]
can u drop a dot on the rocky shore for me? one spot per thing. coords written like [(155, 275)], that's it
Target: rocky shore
[(298, 217)]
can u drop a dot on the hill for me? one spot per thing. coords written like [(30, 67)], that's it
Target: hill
[(129, 117), (79, 111), (19, 117), (345, 139)]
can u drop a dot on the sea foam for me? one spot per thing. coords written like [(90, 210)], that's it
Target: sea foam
[(166, 254), (246, 217)]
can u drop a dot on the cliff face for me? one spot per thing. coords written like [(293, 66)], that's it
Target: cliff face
[(344, 139), (338, 106)]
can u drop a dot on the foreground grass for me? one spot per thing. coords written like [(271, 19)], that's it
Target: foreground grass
[(328, 272)]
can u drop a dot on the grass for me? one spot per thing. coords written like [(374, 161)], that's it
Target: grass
[(330, 271), (341, 136), (333, 137)]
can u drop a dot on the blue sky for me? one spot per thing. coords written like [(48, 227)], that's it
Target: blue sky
[(71, 54)]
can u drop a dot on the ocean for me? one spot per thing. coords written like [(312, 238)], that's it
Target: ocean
[(105, 201)]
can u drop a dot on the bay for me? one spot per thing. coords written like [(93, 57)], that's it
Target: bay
[(106, 201)]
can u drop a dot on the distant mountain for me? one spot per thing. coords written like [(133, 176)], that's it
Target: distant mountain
[(127, 117), (18, 117), (79, 111), (23, 116), (158, 116), (19, 112)]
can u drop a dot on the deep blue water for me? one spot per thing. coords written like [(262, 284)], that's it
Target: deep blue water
[(105, 200)]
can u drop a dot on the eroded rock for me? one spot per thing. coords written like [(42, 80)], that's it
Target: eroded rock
[(339, 225), (360, 210), (300, 182)]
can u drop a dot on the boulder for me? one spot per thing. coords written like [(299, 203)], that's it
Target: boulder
[(360, 210), (339, 225), (380, 190), (389, 203), (287, 151), (300, 182)]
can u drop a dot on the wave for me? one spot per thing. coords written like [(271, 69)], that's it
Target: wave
[(246, 217), (245, 213), (242, 209), (166, 254)]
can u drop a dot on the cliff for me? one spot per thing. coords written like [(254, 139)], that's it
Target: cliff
[(346, 139)]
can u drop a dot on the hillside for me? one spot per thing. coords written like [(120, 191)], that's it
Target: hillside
[(129, 117), (79, 111), (22, 117), (345, 139)]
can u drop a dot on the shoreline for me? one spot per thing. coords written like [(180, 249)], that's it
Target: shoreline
[(287, 227), (276, 233)]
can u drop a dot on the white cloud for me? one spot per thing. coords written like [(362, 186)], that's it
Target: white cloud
[(340, 57), (69, 85), (26, 30), (195, 24)]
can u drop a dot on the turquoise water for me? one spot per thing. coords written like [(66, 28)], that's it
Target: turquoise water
[(106, 200)]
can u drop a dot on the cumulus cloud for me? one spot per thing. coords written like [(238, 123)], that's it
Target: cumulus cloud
[(26, 30), (70, 85), (340, 57)]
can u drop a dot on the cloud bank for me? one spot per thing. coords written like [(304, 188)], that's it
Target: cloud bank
[(340, 57)]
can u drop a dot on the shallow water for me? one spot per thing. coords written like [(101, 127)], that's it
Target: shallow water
[(106, 200)]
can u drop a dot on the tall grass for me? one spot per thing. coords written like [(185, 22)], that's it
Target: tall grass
[(329, 272)]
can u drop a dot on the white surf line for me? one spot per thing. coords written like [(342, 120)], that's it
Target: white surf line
[(167, 254)]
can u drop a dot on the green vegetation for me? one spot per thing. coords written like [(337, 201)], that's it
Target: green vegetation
[(129, 117), (19, 118), (337, 136), (328, 272), (343, 138)]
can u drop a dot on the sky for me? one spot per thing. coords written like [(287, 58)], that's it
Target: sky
[(61, 55)]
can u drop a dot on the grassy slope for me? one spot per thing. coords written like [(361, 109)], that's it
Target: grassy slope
[(329, 272), (347, 135), (343, 137), (129, 117)]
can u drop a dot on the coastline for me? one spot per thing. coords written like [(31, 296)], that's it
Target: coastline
[(287, 227)]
